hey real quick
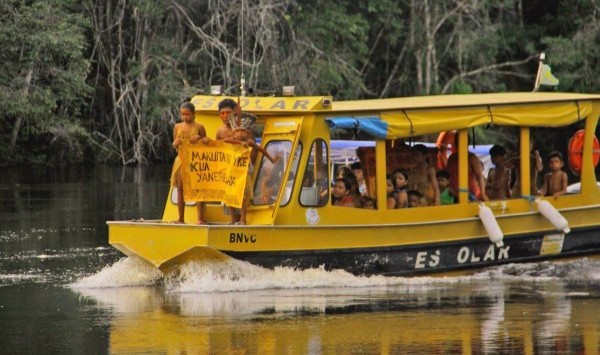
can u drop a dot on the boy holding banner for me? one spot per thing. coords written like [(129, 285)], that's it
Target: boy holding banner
[(241, 124)]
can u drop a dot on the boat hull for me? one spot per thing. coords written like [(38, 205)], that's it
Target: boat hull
[(431, 258), (166, 246)]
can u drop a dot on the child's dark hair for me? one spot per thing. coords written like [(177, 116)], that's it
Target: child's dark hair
[(366, 199), (414, 193), (227, 103), (188, 106), (399, 171), (421, 148), (443, 174), (497, 150), (355, 166), (346, 182), (555, 154)]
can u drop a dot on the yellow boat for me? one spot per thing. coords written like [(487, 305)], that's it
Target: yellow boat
[(294, 225)]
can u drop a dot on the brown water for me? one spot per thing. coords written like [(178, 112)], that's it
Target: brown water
[(64, 290)]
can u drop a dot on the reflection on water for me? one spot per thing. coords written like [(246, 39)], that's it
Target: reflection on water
[(495, 311), (63, 289)]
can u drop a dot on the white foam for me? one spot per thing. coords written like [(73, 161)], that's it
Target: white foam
[(125, 272), (237, 275)]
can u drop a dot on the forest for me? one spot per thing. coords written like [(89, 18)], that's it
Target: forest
[(100, 81)]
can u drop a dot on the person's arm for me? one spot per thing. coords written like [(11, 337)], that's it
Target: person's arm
[(235, 141), (201, 134), (264, 152), (542, 191), (402, 199), (391, 203), (219, 135), (478, 172), (203, 137), (538, 165), (176, 140), (507, 183), (434, 184), (490, 183)]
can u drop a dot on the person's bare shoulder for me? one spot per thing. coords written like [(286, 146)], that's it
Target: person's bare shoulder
[(220, 133), (201, 130)]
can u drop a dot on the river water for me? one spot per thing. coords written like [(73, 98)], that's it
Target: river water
[(63, 289)]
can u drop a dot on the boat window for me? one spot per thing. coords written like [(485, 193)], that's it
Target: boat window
[(353, 155), (423, 170), (315, 181), (269, 177), (287, 193), (499, 152), (568, 142), (411, 171)]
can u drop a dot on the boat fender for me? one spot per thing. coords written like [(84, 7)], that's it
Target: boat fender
[(576, 151), (491, 225), (552, 215)]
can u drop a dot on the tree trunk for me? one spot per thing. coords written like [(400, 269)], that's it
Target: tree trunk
[(20, 118)]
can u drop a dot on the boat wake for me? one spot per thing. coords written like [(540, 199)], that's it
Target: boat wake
[(126, 272), (237, 275)]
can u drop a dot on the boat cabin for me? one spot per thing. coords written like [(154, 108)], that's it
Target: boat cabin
[(315, 135)]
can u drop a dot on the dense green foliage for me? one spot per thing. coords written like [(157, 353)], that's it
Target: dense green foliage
[(97, 80)]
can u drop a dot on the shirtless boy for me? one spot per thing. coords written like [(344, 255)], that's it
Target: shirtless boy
[(555, 182), (226, 107), (498, 183), (242, 134)]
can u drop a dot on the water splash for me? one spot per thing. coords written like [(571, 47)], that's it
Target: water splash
[(125, 272), (235, 275)]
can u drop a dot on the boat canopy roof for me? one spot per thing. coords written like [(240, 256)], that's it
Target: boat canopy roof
[(413, 116)]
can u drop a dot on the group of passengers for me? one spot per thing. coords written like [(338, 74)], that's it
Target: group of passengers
[(420, 185), (502, 180), (424, 185), (350, 188)]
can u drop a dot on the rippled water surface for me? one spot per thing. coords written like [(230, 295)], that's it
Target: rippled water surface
[(63, 289)]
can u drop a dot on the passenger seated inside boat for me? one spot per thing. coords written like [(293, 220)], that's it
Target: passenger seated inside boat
[(422, 176), (443, 180), (367, 202), (389, 187), (348, 176), (415, 198), (343, 171), (358, 172), (476, 180), (513, 163), (400, 183), (321, 185), (498, 181), (340, 194), (268, 186), (556, 181)]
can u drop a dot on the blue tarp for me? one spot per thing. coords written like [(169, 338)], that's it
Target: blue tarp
[(371, 125)]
